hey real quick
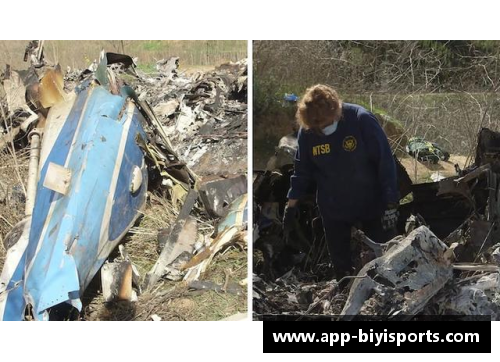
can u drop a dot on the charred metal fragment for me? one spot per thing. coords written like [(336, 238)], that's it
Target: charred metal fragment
[(443, 213), (488, 149), (403, 280), (218, 193), (172, 248)]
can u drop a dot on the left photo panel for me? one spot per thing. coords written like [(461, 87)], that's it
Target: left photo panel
[(123, 180)]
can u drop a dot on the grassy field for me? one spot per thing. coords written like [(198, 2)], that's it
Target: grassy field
[(80, 54)]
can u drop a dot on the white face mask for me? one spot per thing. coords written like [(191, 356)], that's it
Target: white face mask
[(328, 130)]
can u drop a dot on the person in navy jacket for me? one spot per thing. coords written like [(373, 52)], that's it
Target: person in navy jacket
[(345, 152)]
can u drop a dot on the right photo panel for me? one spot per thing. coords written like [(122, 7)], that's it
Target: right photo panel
[(376, 168)]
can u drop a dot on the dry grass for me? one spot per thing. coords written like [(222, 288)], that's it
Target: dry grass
[(2, 255), (13, 171), (141, 241), (173, 301), (79, 54)]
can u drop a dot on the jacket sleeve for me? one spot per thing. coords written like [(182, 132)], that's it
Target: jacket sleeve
[(303, 171), (381, 155)]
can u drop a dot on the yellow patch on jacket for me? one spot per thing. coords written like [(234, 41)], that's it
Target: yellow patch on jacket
[(321, 149)]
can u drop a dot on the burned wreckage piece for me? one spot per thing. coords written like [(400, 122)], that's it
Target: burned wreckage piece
[(205, 114), (457, 276), (90, 184), (445, 261), (403, 280)]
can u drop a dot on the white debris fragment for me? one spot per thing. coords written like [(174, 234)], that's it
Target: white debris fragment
[(436, 176), (156, 318)]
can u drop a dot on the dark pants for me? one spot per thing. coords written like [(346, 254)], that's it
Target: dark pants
[(338, 238)]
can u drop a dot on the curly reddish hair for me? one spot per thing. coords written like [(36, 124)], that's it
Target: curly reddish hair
[(319, 105)]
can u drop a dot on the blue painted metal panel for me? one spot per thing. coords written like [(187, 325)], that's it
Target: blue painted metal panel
[(12, 303), (72, 235), (126, 204), (58, 155)]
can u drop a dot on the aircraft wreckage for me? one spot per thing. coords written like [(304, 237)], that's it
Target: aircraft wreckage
[(445, 260), (95, 151)]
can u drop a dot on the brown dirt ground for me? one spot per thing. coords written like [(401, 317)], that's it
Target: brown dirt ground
[(421, 172)]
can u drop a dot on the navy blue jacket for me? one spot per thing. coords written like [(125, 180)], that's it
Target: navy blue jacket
[(353, 168)]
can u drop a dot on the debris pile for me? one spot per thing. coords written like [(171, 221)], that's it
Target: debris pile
[(172, 140), (204, 114), (297, 293), (445, 260)]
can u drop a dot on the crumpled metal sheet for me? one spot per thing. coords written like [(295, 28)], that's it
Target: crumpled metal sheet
[(217, 194), (167, 67), (118, 278), (52, 87), (479, 296), (14, 89), (72, 235), (488, 149), (403, 280), (230, 230)]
